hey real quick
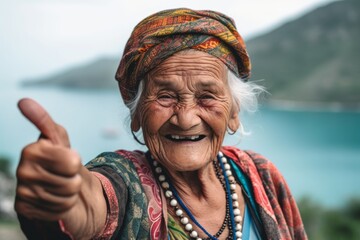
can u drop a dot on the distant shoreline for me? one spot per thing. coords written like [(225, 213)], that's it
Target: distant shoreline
[(292, 105)]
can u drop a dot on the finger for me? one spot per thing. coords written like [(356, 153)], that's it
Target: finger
[(27, 209), (38, 116), (43, 156), (69, 165), (54, 184), (39, 198)]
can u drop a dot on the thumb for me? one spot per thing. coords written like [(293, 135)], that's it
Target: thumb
[(38, 116)]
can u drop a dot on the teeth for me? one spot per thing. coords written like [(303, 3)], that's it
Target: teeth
[(177, 137)]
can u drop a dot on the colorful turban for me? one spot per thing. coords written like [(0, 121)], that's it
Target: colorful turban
[(162, 34)]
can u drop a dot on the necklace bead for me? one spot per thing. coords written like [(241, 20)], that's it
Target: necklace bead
[(238, 234), (238, 227), (236, 213), (184, 220), (165, 185), (173, 202), (161, 178), (238, 219), (168, 194), (194, 234), (234, 196), (179, 212), (188, 227)]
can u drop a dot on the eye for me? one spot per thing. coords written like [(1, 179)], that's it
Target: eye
[(206, 96), (166, 99), (206, 99), (165, 96)]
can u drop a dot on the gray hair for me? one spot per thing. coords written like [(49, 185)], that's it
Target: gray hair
[(244, 94)]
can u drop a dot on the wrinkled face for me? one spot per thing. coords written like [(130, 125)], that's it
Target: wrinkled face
[(185, 110)]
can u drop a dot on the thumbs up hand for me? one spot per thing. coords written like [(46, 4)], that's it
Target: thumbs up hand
[(37, 115), (52, 183)]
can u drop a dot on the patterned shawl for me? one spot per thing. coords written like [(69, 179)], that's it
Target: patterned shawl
[(144, 213), (162, 34)]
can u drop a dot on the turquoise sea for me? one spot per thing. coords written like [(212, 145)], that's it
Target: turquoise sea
[(317, 151)]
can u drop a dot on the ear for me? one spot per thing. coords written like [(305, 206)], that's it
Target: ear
[(234, 121), (135, 123)]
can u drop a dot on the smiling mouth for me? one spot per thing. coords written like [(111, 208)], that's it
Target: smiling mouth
[(178, 138)]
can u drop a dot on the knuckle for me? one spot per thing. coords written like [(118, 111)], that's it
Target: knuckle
[(28, 150), (23, 173), (76, 185), (74, 162), (78, 181), (22, 192)]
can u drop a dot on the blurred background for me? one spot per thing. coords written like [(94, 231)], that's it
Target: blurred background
[(64, 54)]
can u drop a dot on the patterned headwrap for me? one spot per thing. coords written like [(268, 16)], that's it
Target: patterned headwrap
[(162, 34)]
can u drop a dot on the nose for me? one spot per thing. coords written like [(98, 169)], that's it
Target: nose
[(185, 117)]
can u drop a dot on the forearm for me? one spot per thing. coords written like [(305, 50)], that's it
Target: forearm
[(89, 217)]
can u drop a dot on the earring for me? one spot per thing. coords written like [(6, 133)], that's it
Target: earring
[(136, 139), (230, 132)]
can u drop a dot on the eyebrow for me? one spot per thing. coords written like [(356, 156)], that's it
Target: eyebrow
[(163, 82), (208, 83)]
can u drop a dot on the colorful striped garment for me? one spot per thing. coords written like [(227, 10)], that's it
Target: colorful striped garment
[(138, 208)]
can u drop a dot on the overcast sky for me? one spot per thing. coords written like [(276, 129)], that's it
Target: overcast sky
[(40, 37)]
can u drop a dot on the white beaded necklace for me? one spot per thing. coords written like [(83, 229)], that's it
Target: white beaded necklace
[(230, 184)]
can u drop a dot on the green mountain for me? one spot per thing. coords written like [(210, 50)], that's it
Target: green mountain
[(99, 74), (314, 58)]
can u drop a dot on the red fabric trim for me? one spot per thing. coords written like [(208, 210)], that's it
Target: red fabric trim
[(113, 208), (63, 229)]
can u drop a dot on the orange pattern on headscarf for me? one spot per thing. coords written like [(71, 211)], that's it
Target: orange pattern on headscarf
[(162, 34)]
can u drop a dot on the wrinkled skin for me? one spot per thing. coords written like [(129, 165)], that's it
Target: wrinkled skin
[(187, 96), (52, 184)]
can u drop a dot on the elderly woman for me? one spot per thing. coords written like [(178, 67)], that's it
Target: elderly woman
[(183, 77)]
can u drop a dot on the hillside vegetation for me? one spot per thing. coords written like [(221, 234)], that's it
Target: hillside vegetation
[(98, 74), (314, 58)]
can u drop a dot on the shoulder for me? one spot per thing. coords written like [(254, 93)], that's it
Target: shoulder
[(250, 161), (115, 158), (262, 163), (247, 157), (123, 163)]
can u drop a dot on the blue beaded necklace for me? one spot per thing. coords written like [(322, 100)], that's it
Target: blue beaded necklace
[(235, 217)]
